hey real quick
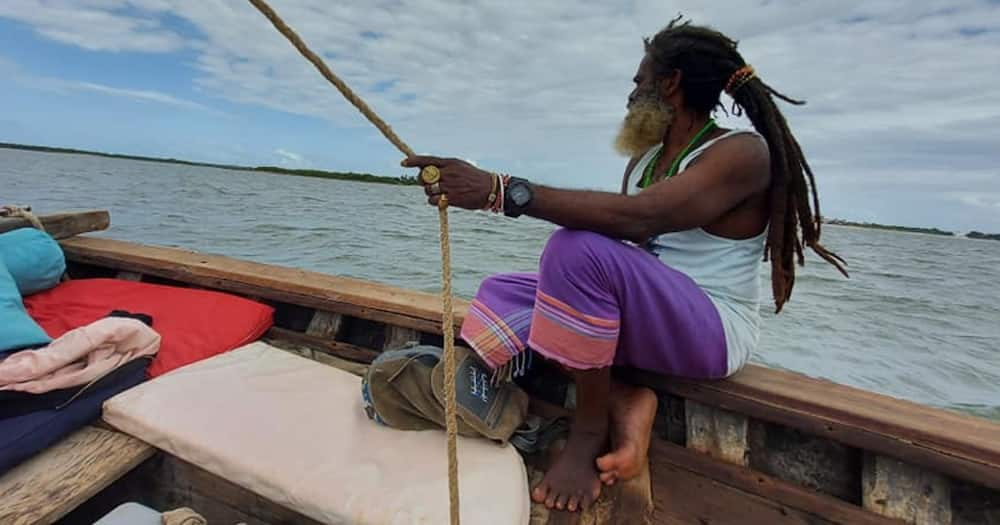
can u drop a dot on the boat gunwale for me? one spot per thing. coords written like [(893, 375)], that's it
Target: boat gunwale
[(959, 445)]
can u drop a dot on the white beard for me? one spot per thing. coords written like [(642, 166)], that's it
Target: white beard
[(644, 126)]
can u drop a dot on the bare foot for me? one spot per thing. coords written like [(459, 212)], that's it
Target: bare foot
[(571, 482), (633, 410)]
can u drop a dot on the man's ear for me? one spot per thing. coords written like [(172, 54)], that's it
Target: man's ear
[(670, 84)]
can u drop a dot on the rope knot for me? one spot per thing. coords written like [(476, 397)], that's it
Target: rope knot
[(14, 211)]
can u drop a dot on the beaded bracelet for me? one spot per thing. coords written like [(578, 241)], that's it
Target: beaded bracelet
[(492, 199), (494, 202)]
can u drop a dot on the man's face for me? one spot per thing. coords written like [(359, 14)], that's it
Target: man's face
[(645, 85), (649, 115)]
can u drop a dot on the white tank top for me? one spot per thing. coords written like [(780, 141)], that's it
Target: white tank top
[(728, 270)]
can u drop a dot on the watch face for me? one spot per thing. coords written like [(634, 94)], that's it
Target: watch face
[(520, 194)]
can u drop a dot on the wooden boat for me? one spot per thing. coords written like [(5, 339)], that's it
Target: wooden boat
[(767, 446)]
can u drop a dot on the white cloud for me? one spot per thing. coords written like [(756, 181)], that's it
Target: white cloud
[(14, 72), (288, 158), (97, 25), (990, 201), (900, 94), (140, 95)]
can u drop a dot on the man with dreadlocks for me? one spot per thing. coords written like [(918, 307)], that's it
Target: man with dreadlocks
[(662, 276)]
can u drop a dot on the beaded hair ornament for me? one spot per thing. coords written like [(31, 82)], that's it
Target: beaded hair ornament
[(739, 79)]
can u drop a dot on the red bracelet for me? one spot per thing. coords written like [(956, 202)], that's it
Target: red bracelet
[(498, 205), (497, 194)]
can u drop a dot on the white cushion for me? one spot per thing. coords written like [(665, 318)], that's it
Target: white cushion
[(294, 432)]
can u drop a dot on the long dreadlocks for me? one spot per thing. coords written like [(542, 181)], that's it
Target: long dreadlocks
[(709, 61)]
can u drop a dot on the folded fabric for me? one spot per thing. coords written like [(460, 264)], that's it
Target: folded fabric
[(23, 436), (404, 389), (34, 259), (79, 356), (14, 403), (17, 329)]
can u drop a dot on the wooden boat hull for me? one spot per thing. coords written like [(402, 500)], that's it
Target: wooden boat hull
[(766, 446)]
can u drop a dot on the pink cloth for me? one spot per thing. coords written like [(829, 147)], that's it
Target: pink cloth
[(79, 356)]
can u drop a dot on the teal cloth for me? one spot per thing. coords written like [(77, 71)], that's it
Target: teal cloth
[(17, 329), (34, 259)]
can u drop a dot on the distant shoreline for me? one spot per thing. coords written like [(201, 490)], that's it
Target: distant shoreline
[(889, 227), (336, 175), (913, 229), (412, 181)]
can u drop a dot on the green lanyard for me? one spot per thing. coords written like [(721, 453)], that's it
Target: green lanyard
[(647, 176)]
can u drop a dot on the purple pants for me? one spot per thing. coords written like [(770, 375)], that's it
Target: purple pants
[(596, 302)]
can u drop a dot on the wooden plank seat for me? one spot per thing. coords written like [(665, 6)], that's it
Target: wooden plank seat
[(51, 484)]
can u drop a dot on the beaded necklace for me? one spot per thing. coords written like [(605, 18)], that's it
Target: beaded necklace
[(647, 176)]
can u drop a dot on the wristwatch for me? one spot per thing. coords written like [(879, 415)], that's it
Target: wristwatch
[(517, 197)]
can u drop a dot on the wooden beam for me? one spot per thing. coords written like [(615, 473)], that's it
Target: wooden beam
[(63, 225), (353, 297), (325, 324), (48, 486), (813, 462), (954, 444), (689, 487), (898, 490), (125, 275), (717, 433), (974, 505), (321, 344), (352, 367), (397, 337), (671, 421)]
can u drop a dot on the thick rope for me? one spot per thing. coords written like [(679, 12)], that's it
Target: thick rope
[(448, 324), (344, 89), (10, 210)]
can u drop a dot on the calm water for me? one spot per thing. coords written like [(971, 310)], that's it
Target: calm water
[(919, 318)]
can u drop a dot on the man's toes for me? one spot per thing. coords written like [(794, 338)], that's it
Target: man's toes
[(539, 493), (608, 476), (574, 503), (561, 501), (607, 462), (550, 501)]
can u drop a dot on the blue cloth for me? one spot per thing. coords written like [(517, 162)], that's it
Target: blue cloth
[(17, 329), (23, 436), (34, 259)]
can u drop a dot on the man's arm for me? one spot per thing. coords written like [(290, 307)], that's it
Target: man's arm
[(724, 176)]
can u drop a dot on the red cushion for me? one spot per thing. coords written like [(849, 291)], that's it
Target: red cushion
[(193, 324)]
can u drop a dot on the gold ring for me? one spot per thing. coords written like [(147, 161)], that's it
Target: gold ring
[(430, 174)]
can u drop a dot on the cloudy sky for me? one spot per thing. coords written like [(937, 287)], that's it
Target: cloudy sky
[(902, 125)]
